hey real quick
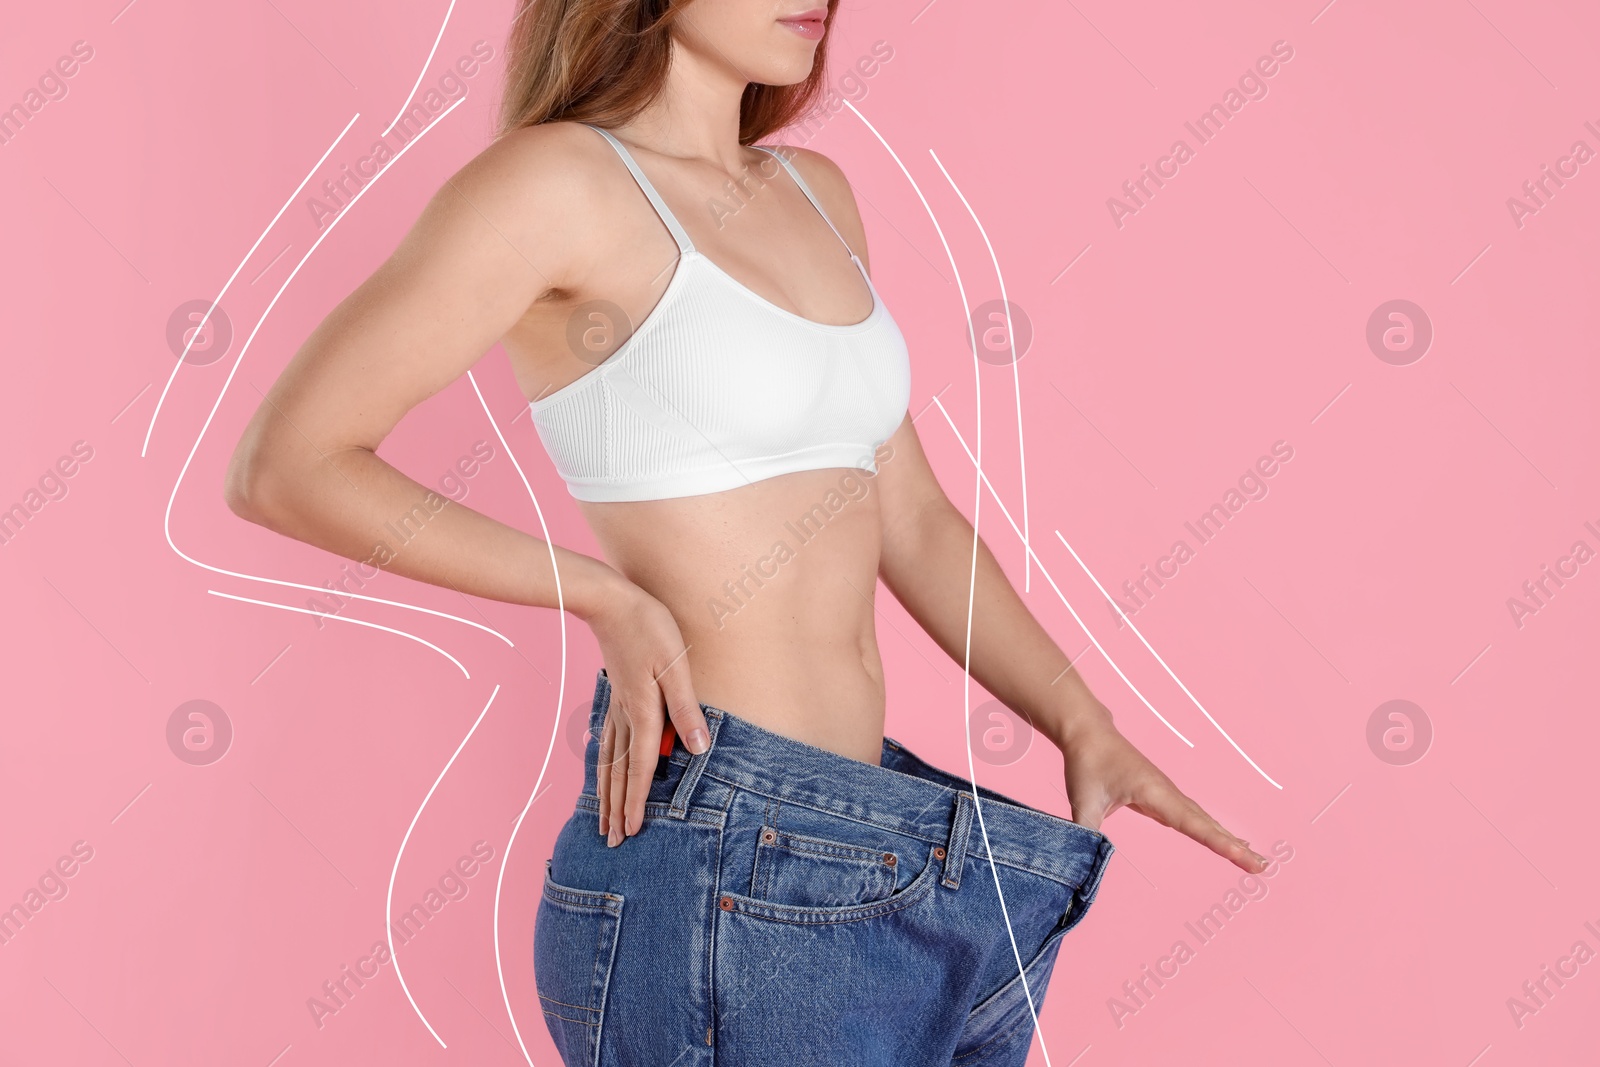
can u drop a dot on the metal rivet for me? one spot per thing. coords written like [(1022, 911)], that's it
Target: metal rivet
[(938, 853), (888, 857), (726, 903), (769, 837)]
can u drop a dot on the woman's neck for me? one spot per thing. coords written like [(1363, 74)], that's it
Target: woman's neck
[(696, 116)]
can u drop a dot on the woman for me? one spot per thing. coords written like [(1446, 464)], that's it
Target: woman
[(778, 883)]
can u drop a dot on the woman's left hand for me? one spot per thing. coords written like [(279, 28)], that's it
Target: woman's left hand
[(1105, 772)]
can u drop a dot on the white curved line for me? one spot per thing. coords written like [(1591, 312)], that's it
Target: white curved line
[(1163, 663), (555, 725), (423, 72), (1016, 380), (966, 663), (388, 902), (1076, 617), (167, 520), (228, 284), (341, 618)]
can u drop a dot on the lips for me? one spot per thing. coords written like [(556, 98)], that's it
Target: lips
[(807, 23)]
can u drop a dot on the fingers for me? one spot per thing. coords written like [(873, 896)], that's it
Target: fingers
[(614, 798), (630, 743), (1172, 808), (644, 747), (1089, 817), (683, 709), (608, 738)]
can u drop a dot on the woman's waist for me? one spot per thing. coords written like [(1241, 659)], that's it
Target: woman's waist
[(821, 694), (897, 793)]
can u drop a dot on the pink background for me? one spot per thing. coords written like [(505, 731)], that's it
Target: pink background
[(1169, 353)]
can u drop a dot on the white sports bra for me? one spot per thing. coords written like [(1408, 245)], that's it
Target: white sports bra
[(719, 387)]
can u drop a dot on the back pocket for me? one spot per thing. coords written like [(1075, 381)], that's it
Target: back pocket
[(818, 873), (574, 943)]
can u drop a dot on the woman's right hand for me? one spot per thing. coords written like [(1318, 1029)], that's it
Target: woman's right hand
[(646, 662)]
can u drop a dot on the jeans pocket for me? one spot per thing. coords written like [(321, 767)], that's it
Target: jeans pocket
[(912, 893), (814, 872), (574, 942)]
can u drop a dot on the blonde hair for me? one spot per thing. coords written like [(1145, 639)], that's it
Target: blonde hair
[(604, 61)]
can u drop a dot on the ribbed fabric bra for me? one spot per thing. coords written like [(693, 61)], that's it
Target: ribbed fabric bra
[(718, 387)]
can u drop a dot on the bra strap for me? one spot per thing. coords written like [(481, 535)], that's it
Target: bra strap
[(804, 188), (666, 215)]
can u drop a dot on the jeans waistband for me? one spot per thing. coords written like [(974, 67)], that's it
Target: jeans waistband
[(920, 801)]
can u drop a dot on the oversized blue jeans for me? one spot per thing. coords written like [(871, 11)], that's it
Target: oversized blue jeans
[(785, 905)]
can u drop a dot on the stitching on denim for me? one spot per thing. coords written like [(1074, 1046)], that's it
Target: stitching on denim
[(710, 992), (558, 1015), (588, 899), (915, 891), (742, 787), (966, 1057), (880, 874), (817, 846), (656, 809), (605, 983), (564, 1004), (1055, 822)]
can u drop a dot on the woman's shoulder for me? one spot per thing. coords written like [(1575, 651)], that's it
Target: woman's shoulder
[(550, 182), (826, 179), (551, 158), (554, 165), (820, 172)]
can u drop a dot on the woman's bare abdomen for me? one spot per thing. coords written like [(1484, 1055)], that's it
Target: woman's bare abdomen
[(772, 585)]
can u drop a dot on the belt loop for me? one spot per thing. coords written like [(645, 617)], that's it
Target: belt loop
[(955, 851), (697, 765)]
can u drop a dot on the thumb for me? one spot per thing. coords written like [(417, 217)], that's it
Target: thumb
[(1087, 813), (684, 711)]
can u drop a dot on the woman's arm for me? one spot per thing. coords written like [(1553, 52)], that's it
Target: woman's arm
[(307, 466), (518, 223), (926, 562)]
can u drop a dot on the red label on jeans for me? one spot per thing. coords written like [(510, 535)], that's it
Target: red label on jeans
[(667, 737)]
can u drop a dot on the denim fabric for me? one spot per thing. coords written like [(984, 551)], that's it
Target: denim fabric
[(786, 905)]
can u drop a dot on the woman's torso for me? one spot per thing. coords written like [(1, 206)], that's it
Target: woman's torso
[(772, 583)]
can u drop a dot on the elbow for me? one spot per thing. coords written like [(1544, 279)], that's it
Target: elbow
[(247, 486)]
